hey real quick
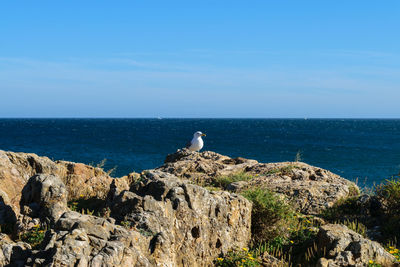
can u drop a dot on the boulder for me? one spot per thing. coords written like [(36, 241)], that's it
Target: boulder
[(45, 196), (187, 224), (311, 189), (344, 247)]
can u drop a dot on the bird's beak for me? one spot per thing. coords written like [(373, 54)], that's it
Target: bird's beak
[(203, 135)]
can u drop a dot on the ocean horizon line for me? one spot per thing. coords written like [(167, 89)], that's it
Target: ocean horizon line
[(200, 118)]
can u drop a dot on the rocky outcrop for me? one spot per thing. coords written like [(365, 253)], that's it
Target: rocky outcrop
[(163, 217), (312, 189), (344, 247), (79, 179), (203, 167), (188, 225), (84, 240), (157, 219)]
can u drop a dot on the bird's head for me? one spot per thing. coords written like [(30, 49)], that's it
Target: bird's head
[(198, 134)]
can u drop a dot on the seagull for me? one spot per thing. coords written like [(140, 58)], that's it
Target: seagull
[(197, 143)]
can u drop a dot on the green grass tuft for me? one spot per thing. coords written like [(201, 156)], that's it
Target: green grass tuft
[(224, 181)]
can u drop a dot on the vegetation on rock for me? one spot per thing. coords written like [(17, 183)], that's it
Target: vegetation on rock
[(34, 236), (225, 180), (89, 206), (271, 216)]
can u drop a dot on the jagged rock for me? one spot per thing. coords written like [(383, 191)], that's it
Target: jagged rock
[(312, 189), (80, 179), (202, 167), (344, 247), (84, 240), (13, 253), (45, 196), (188, 225)]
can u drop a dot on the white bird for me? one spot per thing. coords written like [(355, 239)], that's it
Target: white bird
[(197, 143)]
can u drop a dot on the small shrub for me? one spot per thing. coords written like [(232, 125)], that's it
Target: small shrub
[(34, 237), (298, 156), (353, 191), (238, 258), (388, 194), (271, 215), (342, 208)]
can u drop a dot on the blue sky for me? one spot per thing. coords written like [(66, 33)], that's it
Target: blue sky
[(200, 59)]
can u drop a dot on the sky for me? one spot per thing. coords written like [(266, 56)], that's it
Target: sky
[(214, 59)]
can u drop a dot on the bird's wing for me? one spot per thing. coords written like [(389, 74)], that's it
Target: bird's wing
[(188, 144)]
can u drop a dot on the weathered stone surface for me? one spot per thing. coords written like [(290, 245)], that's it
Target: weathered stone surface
[(188, 225), (80, 179), (84, 240), (270, 261), (345, 247), (312, 189), (202, 167), (13, 253), (45, 196)]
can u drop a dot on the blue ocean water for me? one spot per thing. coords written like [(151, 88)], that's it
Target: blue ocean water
[(367, 150)]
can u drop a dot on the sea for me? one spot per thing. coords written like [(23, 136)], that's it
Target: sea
[(363, 150)]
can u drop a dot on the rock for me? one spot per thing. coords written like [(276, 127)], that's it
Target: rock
[(202, 167), (7, 215), (13, 253), (84, 240), (344, 247), (187, 224), (312, 189), (45, 196), (80, 179), (270, 261)]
